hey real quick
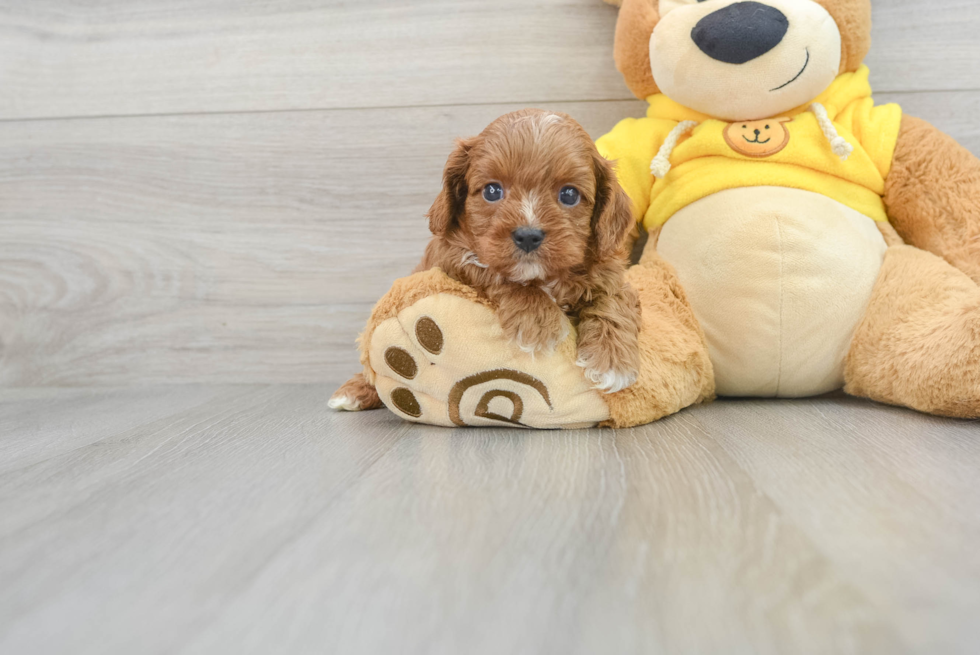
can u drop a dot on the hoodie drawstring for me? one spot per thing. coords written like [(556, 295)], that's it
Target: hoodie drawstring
[(838, 144), (660, 165)]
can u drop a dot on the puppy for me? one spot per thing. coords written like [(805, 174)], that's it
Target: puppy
[(531, 216)]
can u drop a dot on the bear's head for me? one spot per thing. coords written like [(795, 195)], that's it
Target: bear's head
[(740, 60)]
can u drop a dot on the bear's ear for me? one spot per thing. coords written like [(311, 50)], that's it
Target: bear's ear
[(853, 18), (637, 18)]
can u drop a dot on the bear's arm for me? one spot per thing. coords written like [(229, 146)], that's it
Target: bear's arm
[(932, 195)]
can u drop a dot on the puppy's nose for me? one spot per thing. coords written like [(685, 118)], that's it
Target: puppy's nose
[(527, 239), (740, 32)]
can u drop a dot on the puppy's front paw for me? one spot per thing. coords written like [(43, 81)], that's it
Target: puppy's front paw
[(534, 327), (608, 381), (610, 364), (533, 337)]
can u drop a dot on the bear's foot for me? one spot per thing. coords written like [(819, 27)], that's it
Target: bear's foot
[(444, 360), (436, 353)]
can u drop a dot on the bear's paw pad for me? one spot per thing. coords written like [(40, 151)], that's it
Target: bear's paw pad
[(445, 361)]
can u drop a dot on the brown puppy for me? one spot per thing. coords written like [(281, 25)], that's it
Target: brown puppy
[(532, 216)]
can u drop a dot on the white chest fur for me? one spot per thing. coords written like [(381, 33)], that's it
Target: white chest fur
[(779, 279)]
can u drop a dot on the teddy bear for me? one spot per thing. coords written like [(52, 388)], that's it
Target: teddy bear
[(801, 239)]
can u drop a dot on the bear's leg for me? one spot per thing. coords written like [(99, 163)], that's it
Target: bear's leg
[(675, 369), (918, 345), (435, 352)]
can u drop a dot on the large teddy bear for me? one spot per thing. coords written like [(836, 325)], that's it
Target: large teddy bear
[(801, 239)]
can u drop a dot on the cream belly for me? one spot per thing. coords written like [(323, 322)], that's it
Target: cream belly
[(779, 279)]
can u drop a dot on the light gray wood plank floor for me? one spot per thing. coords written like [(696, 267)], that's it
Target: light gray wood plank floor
[(251, 519)]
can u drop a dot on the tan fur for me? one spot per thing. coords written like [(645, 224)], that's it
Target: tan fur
[(933, 195), (889, 234), (676, 370), (853, 18), (638, 18), (919, 343), (404, 293)]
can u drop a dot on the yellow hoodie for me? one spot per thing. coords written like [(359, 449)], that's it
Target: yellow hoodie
[(791, 151)]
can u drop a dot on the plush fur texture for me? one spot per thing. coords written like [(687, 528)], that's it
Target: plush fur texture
[(358, 393), (638, 19), (405, 292), (919, 343), (853, 18), (933, 195), (579, 270), (676, 370), (889, 234)]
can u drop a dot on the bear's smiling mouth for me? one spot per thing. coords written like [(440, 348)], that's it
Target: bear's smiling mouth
[(757, 140), (797, 75)]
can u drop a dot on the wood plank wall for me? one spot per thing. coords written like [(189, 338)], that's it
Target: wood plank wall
[(218, 191)]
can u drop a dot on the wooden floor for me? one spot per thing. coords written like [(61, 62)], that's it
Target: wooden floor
[(251, 519), (200, 200)]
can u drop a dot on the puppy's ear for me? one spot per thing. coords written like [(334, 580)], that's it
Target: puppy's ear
[(448, 207), (612, 216)]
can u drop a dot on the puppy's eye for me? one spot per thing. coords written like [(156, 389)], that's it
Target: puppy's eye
[(493, 192), (569, 196)]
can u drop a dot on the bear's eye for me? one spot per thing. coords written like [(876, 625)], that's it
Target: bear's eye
[(493, 192), (767, 127), (569, 196)]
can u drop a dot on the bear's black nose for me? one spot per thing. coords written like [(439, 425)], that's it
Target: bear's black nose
[(740, 32)]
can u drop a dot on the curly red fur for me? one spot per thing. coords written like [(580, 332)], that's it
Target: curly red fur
[(579, 270)]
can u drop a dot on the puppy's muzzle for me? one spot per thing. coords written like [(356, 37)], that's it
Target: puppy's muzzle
[(527, 239)]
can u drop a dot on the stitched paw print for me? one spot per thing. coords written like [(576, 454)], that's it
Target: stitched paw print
[(445, 361)]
